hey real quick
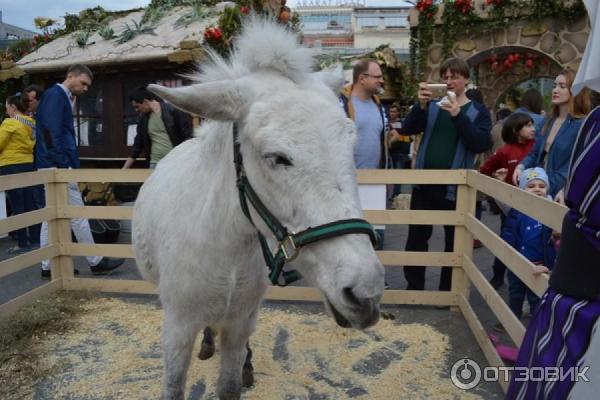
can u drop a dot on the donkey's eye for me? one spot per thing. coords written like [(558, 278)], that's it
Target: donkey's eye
[(275, 159)]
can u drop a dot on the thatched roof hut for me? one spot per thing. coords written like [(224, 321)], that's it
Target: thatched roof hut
[(168, 42), (136, 54)]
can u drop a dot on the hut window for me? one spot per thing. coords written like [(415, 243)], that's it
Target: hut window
[(88, 118)]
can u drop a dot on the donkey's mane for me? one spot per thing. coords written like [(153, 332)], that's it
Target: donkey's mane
[(263, 44)]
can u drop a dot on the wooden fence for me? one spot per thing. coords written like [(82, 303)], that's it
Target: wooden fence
[(466, 275)]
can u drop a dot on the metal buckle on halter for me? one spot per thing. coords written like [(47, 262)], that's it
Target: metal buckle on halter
[(288, 247)]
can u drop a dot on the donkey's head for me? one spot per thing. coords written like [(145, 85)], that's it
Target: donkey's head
[(297, 146)]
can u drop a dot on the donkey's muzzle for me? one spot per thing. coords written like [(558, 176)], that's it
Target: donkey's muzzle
[(359, 313)]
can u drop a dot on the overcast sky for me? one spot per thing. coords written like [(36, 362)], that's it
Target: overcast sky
[(22, 12)]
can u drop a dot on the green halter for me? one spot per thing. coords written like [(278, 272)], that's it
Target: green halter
[(289, 243)]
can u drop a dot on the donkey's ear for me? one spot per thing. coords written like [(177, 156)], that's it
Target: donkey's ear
[(333, 78), (222, 100)]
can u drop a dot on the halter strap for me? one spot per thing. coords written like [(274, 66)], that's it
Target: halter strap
[(289, 244)]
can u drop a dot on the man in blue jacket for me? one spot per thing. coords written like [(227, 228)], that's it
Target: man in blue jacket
[(56, 148), (454, 131)]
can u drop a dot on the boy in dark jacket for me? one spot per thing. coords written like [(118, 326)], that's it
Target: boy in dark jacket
[(532, 239)]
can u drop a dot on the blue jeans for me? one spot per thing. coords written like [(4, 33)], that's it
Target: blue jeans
[(517, 291), (39, 197), (21, 201)]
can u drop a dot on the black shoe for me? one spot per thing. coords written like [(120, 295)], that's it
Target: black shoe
[(46, 274), (106, 265), (496, 282)]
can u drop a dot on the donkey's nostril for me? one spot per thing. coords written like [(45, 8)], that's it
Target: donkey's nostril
[(351, 297)]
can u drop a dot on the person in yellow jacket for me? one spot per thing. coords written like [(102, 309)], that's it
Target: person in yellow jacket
[(17, 140)]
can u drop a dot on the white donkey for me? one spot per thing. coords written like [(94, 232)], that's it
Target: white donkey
[(190, 235)]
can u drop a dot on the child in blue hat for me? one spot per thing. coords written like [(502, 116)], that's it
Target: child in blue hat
[(532, 239)]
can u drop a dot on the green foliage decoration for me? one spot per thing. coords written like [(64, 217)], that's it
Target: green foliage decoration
[(106, 32), (460, 17), (220, 37), (422, 37), (457, 15), (199, 11), (19, 49), (81, 38), (396, 75), (131, 31), (90, 19)]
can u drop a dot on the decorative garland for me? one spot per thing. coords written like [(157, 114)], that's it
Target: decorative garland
[(460, 16), (422, 36), (220, 37), (457, 15), (501, 64)]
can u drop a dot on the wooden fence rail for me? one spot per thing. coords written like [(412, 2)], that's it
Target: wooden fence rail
[(465, 272)]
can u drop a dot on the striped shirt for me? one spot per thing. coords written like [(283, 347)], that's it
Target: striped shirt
[(582, 193)]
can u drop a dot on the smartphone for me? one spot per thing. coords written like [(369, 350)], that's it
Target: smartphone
[(438, 89)]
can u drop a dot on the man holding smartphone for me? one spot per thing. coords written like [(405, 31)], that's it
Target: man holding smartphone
[(454, 130)]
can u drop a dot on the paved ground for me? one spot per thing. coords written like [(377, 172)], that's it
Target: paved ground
[(449, 323)]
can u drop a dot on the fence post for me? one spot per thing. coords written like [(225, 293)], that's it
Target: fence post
[(466, 198), (59, 230), (64, 232), (51, 190)]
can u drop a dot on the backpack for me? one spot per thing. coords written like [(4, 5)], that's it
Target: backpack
[(104, 231)]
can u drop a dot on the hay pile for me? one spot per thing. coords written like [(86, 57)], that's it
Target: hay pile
[(22, 335), (114, 352)]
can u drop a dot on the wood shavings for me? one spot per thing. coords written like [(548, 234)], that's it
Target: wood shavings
[(115, 352)]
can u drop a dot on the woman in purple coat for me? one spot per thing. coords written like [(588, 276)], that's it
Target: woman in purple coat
[(565, 331)]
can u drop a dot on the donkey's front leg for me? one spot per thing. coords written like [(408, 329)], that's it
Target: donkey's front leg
[(234, 339), (178, 339)]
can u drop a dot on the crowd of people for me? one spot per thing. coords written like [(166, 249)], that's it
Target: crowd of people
[(457, 133), (540, 152), (552, 154), (454, 133), (39, 133)]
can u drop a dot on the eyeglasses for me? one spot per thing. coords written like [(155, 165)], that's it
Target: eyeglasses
[(450, 78), (374, 76)]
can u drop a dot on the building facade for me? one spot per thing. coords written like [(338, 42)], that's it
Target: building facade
[(10, 34), (351, 27)]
